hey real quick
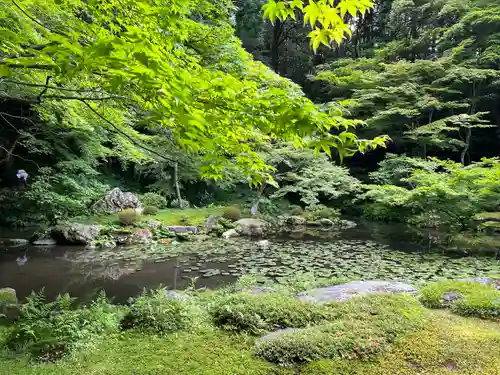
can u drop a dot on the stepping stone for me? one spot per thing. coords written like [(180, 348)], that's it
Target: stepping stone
[(344, 292)]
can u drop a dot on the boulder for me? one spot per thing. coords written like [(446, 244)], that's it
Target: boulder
[(327, 223), (116, 201), (231, 233), (211, 223), (183, 229), (483, 281), (174, 295), (138, 236), (45, 242), (347, 224), (450, 297), (154, 224), (75, 234), (251, 227), (344, 292), (13, 241), (294, 221), (10, 309)]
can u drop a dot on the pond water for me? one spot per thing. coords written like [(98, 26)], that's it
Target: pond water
[(367, 252)]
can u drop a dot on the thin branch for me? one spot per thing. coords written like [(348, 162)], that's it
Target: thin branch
[(47, 80), (125, 134), (36, 21), (8, 122), (20, 157), (46, 86)]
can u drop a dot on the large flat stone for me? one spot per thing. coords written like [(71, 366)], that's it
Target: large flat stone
[(344, 292)]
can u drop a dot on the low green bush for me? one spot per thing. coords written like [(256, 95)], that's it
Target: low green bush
[(153, 199), (175, 203), (231, 213), (482, 301), (128, 217), (296, 210), (364, 327), (320, 212), (157, 312), (150, 210), (49, 330), (254, 314)]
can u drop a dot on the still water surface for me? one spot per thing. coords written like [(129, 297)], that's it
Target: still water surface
[(366, 252)]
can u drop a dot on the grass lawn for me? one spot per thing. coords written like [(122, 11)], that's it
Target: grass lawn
[(448, 344), (192, 216)]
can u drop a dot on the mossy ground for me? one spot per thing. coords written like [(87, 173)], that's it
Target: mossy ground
[(447, 344), (188, 216)]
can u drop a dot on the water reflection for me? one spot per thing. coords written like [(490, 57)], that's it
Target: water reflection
[(375, 251)]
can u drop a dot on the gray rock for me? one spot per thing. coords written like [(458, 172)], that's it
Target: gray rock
[(9, 313), (347, 224), (75, 233), (231, 233), (172, 294), (139, 236), (211, 223), (295, 221), (183, 229), (117, 200), (326, 223), (251, 227), (45, 242), (483, 281), (13, 241), (154, 224), (450, 297), (274, 335), (344, 292)]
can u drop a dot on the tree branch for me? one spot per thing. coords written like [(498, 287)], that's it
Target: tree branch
[(46, 86), (36, 21), (130, 138)]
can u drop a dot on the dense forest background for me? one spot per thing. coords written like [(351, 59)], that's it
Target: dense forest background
[(238, 93)]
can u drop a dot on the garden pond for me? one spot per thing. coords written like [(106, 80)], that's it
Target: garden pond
[(373, 251)]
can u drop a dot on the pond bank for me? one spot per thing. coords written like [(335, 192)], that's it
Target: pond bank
[(365, 252)]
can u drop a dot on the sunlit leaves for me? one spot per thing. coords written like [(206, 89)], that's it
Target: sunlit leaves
[(326, 17)]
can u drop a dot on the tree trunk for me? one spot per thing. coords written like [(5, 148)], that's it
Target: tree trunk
[(277, 30), (177, 188), (466, 148)]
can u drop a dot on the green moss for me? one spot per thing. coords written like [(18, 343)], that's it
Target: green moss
[(255, 314), (7, 296), (365, 327), (477, 300)]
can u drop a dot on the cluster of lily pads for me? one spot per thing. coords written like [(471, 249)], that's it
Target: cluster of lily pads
[(342, 258)]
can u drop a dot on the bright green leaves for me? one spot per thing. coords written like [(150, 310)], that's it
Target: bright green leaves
[(328, 21)]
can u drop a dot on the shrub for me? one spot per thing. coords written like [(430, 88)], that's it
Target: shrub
[(231, 213), (339, 340), (321, 212), (482, 301), (150, 210), (128, 217), (254, 314), (175, 203), (157, 312), (296, 210), (364, 328), (49, 330), (153, 199)]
